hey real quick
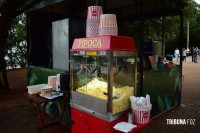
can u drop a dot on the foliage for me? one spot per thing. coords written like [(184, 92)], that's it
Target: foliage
[(16, 50), (192, 14), (155, 28), (9, 9), (191, 11)]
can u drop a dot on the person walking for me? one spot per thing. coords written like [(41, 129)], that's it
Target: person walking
[(195, 52), (176, 54), (184, 54)]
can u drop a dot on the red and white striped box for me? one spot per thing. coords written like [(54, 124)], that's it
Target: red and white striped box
[(108, 31), (108, 20), (93, 20), (92, 27), (94, 12), (141, 116), (108, 25)]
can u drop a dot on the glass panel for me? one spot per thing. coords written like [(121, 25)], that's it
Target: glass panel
[(123, 82), (89, 74)]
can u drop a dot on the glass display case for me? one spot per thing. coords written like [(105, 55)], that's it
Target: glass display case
[(103, 75)]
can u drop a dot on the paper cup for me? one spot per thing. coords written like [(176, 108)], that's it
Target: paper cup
[(52, 81), (46, 91), (108, 20), (108, 25), (94, 12), (108, 31), (92, 27), (58, 82), (141, 116), (93, 23)]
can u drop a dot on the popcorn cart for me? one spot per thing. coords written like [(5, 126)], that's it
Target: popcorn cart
[(103, 77)]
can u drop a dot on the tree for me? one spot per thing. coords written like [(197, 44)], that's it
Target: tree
[(160, 29), (16, 49), (9, 9), (190, 16), (167, 29)]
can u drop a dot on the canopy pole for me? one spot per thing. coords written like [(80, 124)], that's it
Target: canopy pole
[(180, 48), (141, 50)]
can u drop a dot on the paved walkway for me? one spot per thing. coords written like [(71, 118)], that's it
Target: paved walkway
[(16, 116)]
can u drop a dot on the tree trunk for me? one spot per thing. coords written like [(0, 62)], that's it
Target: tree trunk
[(3, 35), (163, 44), (5, 23), (163, 37), (188, 34), (4, 81)]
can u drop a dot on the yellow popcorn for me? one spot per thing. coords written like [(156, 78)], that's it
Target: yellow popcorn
[(97, 89), (123, 102)]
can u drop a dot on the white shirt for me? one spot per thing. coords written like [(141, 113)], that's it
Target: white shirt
[(184, 53), (176, 52)]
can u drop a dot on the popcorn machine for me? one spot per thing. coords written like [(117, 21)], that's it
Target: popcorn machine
[(103, 77)]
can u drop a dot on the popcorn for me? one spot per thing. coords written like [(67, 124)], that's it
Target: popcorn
[(122, 103), (98, 89)]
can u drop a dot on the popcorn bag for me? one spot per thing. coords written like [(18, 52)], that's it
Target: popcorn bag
[(141, 116), (141, 108)]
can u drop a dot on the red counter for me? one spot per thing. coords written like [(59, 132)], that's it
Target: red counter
[(86, 123)]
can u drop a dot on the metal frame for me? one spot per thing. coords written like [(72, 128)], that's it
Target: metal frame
[(98, 107)]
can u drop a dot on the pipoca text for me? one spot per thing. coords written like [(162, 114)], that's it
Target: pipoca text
[(90, 43)]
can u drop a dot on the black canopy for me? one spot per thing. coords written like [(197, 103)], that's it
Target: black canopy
[(124, 9)]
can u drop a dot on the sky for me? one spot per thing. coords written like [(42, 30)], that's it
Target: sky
[(198, 1)]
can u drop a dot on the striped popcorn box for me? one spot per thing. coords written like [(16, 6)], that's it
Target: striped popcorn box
[(108, 25), (92, 33), (92, 27), (52, 81), (94, 12), (108, 20), (108, 31), (93, 20), (141, 116)]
